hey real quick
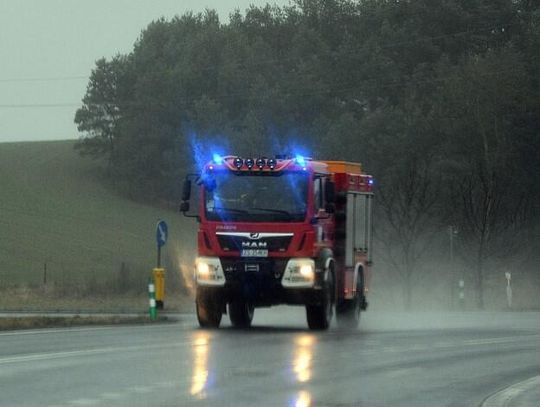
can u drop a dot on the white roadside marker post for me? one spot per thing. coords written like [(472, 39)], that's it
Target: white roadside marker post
[(152, 299), (461, 294), (508, 289)]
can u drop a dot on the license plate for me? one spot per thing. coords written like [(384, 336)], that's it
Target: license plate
[(254, 253)]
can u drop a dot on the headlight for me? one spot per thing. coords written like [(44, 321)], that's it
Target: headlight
[(306, 270), (208, 271), (203, 269), (299, 273)]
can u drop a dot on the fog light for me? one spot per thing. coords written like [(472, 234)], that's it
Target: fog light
[(299, 273)]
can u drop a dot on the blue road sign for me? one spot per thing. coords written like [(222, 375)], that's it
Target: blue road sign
[(161, 233)]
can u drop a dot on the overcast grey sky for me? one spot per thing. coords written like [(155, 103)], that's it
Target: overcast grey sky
[(48, 48)]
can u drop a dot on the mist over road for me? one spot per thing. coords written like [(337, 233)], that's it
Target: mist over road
[(395, 359)]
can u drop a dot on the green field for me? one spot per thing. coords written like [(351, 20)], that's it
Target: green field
[(59, 222)]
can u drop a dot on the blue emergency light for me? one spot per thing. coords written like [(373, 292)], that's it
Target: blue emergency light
[(217, 159)]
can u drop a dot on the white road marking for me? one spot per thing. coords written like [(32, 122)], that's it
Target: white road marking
[(77, 353), (505, 396), (84, 402), (494, 341), (142, 389), (51, 331), (54, 355), (112, 396), (99, 328), (395, 373), (107, 397)]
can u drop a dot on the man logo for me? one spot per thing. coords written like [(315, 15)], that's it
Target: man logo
[(254, 245), (254, 236)]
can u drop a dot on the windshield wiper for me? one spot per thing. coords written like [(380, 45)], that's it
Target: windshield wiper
[(219, 208), (280, 211)]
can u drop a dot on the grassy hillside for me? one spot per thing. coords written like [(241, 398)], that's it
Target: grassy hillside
[(55, 211)]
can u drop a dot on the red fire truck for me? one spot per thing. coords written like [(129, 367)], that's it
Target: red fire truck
[(283, 230)]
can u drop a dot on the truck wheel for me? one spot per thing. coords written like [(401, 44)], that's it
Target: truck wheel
[(241, 314), (348, 313), (319, 316), (208, 313)]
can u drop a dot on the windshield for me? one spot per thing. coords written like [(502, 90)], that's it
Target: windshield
[(257, 198)]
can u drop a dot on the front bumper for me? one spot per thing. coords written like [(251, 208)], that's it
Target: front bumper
[(261, 282)]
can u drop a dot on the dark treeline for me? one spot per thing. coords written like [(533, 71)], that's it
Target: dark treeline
[(439, 101)]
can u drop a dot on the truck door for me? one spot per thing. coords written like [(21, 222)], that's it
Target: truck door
[(324, 228)]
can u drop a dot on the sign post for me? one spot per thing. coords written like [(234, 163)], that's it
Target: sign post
[(508, 289), (461, 284), (162, 232), (159, 272)]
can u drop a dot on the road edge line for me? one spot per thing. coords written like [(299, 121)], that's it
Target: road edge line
[(504, 397)]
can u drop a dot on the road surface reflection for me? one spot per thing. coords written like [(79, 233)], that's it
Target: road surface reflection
[(201, 350), (302, 365)]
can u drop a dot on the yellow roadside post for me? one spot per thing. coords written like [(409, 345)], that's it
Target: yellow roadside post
[(159, 281)]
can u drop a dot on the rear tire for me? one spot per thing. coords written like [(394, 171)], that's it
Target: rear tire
[(208, 312), (319, 316), (348, 313), (241, 314)]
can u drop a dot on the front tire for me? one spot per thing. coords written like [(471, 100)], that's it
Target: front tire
[(208, 312), (319, 316), (241, 314)]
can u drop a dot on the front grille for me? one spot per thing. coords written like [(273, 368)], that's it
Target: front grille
[(254, 279), (237, 243)]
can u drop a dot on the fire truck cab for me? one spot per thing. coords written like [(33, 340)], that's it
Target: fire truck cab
[(283, 230)]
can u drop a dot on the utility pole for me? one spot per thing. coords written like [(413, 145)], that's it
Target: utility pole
[(455, 281)]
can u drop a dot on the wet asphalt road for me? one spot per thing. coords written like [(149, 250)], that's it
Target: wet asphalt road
[(394, 359)]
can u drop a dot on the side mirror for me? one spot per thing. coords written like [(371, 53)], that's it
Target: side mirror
[(186, 191), (210, 184), (329, 192), (184, 206), (186, 195), (330, 208)]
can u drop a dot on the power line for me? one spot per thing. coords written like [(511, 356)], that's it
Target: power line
[(38, 105), (489, 28), (46, 79), (262, 62), (337, 88)]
